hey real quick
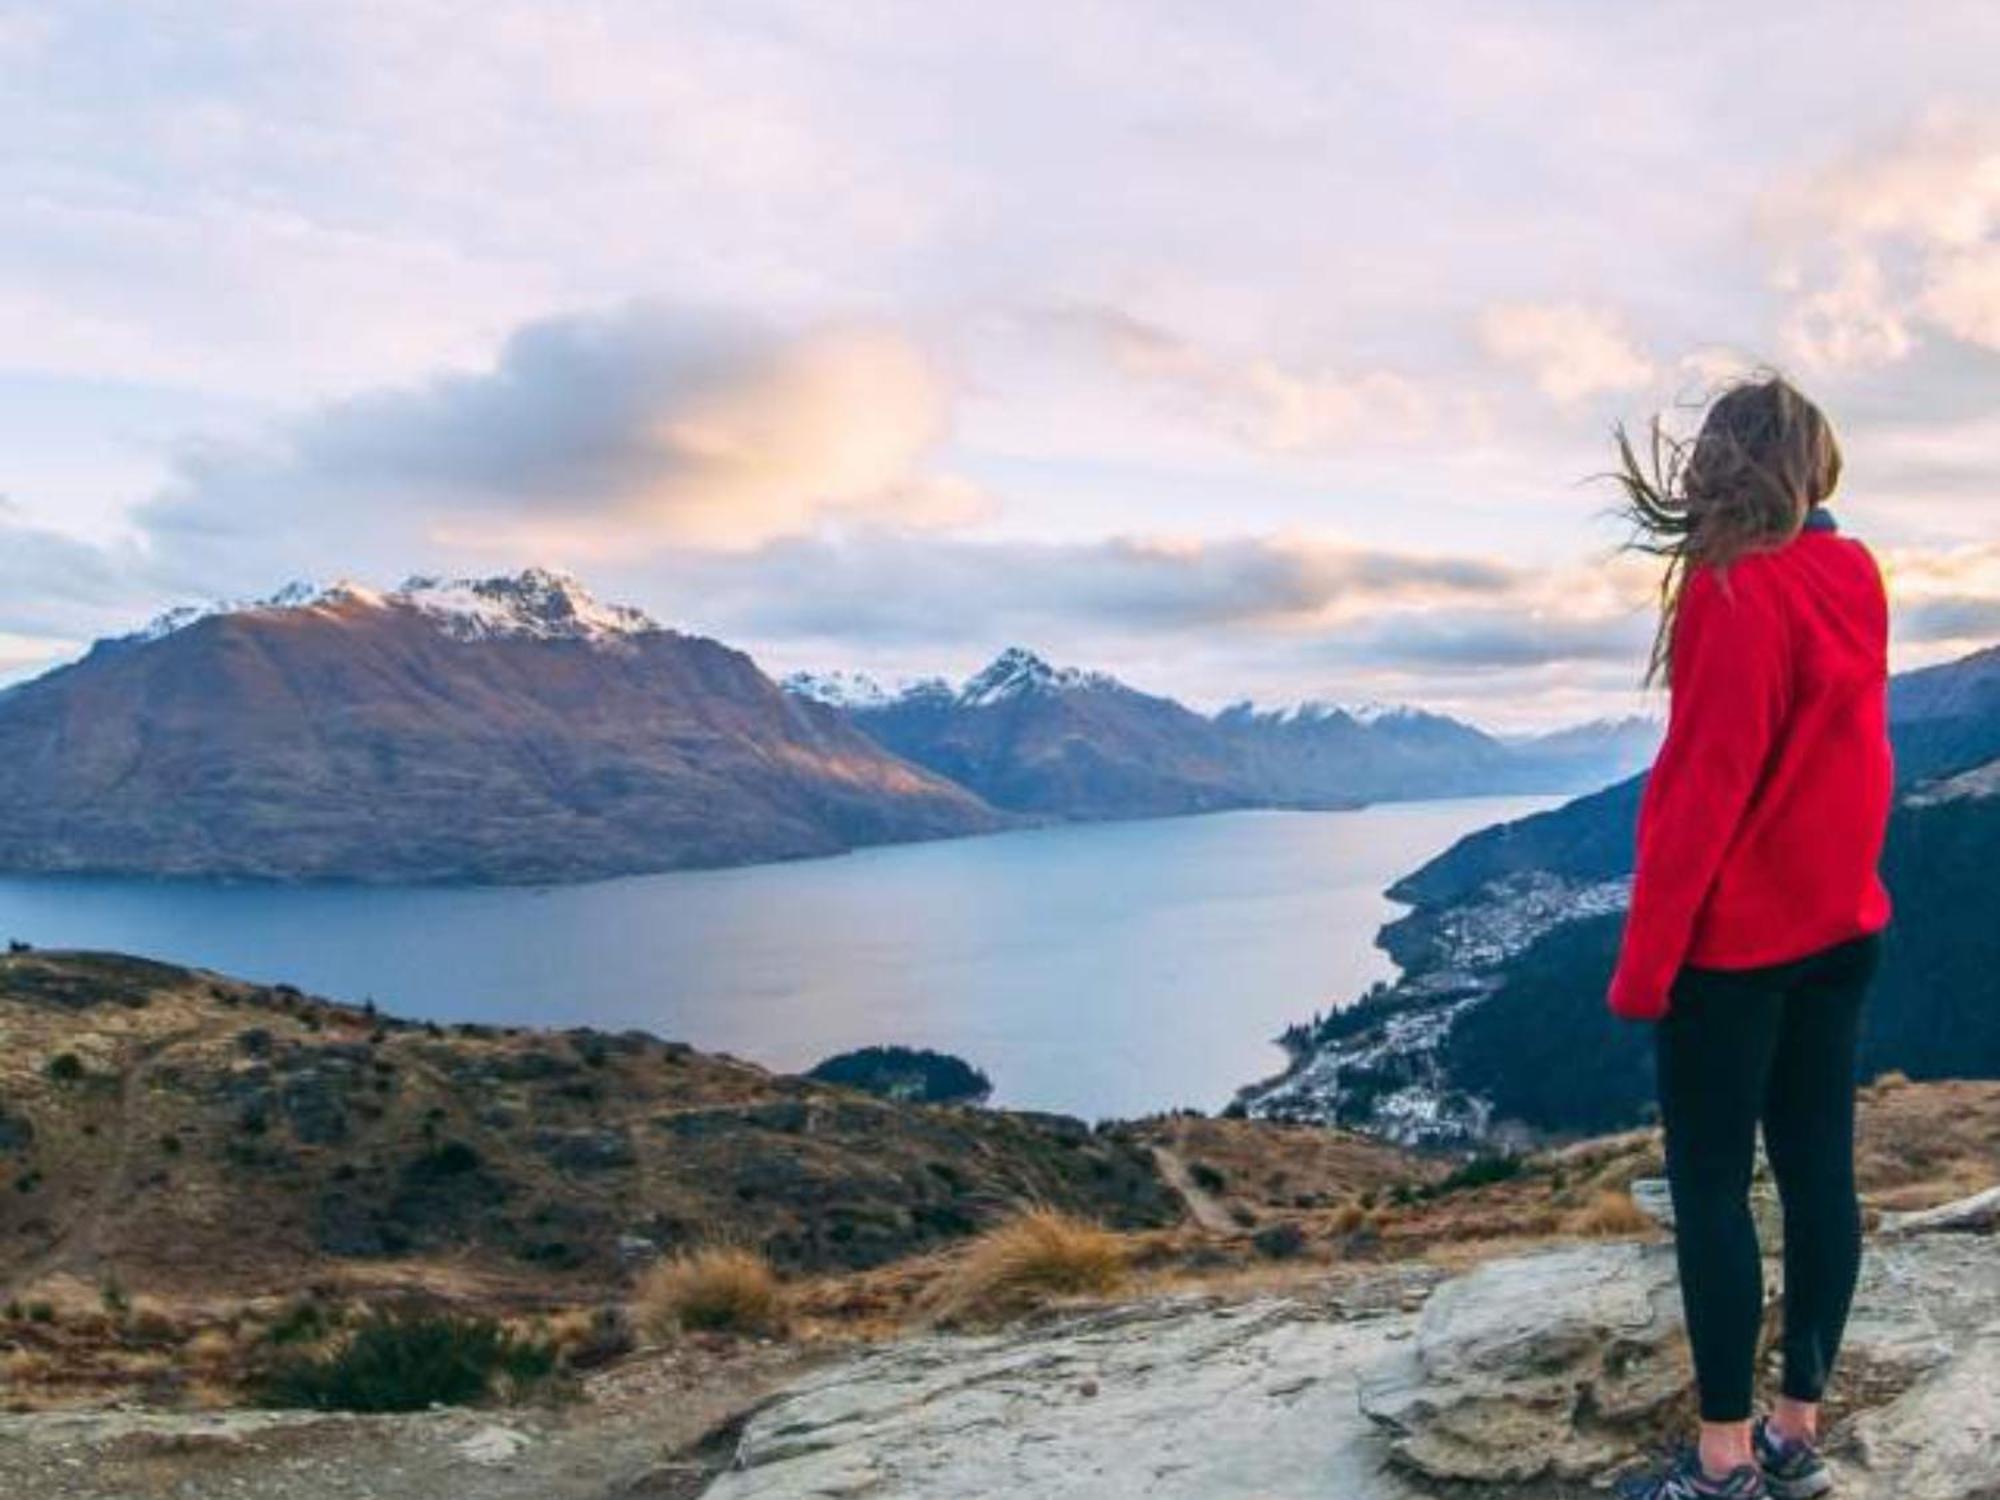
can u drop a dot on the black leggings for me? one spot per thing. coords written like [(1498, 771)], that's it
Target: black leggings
[(1775, 1044)]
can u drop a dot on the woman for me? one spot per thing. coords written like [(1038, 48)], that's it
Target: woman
[(1756, 906)]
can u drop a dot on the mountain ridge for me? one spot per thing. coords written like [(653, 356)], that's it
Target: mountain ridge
[(509, 729), (1068, 742)]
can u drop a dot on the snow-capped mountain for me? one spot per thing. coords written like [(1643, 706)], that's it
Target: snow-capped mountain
[(1320, 711), (537, 603), (1034, 737), (1054, 741), (1017, 673), (838, 689), (1013, 673), (497, 729)]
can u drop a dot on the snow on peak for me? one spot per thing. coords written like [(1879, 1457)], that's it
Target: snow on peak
[(838, 689), (298, 594), (1017, 672), (536, 602), (1319, 711), (1375, 713)]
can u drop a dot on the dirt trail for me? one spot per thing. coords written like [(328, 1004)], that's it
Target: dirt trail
[(1202, 1206), (75, 1244)]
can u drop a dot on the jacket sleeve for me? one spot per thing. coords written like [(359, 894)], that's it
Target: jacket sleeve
[(1730, 688)]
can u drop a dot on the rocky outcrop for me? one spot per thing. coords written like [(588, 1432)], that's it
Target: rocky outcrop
[(1540, 1365), (1559, 1365), (1979, 1214), (1542, 1372), (1941, 1439), (1176, 1400)]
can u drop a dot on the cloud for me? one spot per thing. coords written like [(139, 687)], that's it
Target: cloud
[(1959, 618), (55, 588), (1496, 641), (1259, 401), (1963, 295), (1855, 322), (1945, 594), (885, 587), (595, 434), (1902, 233), (1573, 351)]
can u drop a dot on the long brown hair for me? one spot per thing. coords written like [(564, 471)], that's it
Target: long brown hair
[(1764, 457)]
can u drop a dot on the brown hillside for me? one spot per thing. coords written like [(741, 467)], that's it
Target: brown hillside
[(361, 737), (175, 1129)]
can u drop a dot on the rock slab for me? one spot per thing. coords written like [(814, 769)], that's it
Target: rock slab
[(1173, 1400), (1547, 1364), (1537, 1371)]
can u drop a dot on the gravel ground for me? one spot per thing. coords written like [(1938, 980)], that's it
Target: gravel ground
[(655, 1428)]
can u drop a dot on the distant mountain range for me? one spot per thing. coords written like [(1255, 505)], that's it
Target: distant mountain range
[(506, 729), (1498, 1020), (1033, 738), (515, 729)]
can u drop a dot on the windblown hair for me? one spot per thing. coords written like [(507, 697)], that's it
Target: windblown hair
[(1764, 457)]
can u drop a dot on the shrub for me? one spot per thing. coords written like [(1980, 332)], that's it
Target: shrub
[(1480, 1172), (1209, 1179), (1032, 1258), (304, 1320), (1611, 1214), (1349, 1217), (592, 1338), (724, 1290), (65, 1067), (408, 1360), (1281, 1241)]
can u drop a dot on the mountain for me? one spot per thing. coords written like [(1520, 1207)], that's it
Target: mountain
[(1498, 1024), (499, 729), (1317, 754), (1596, 753), (1064, 742), (1033, 738)]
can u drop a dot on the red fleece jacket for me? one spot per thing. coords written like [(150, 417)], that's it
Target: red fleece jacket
[(1762, 821)]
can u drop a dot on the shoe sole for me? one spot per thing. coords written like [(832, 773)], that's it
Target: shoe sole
[(1811, 1487)]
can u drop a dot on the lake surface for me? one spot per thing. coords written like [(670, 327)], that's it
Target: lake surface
[(1100, 970)]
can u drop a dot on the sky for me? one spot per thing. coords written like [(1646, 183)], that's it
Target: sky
[(1262, 351)]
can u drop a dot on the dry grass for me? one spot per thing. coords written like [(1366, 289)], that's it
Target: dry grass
[(1610, 1215), (1349, 1218), (720, 1290), (1038, 1257)]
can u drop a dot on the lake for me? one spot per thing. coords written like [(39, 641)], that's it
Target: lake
[(1101, 970)]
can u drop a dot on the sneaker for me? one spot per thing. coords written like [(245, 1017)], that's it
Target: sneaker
[(1793, 1469), (1683, 1479)]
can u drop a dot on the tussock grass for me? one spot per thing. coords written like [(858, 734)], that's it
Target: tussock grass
[(1037, 1257), (724, 1290), (1351, 1218), (1611, 1215)]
